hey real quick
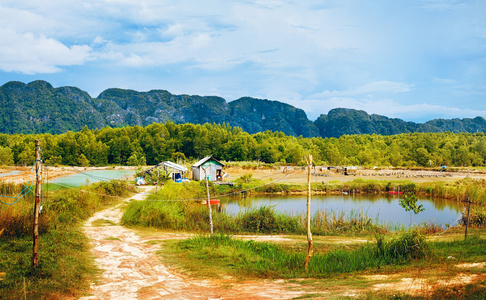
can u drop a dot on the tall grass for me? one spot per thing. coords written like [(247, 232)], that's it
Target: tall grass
[(271, 260), (65, 264), (193, 216), (324, 222)]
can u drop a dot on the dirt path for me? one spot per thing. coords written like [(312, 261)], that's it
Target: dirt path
[(133, 271)]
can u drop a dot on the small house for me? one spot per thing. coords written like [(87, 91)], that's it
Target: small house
[(210, 167), (351, 170), (177, 172)]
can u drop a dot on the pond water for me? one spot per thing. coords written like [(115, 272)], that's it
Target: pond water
[(383, 209), (87, 177), (10, 173)]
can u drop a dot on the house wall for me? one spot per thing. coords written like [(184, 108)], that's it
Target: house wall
[(211, 166)]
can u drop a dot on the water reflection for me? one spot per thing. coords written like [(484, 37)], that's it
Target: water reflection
[(382, 208)]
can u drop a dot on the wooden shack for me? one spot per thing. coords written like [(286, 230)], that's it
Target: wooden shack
[(210, 166)]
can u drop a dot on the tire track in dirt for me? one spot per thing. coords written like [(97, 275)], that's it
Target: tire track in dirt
[(131, 270)]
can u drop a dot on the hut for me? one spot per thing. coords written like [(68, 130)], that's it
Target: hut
[(351, 170), (210, 166), (177, 172)]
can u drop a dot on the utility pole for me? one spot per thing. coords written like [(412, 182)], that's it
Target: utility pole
[(467, 221), (38, 175), (208, 201), (310, 248)]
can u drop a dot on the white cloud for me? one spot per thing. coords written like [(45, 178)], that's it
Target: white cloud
[(409, 112), (338, 54), (31, 54), (369, 88)]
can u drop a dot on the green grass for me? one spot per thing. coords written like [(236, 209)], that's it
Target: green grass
[(267, 260), (472, 249), (338, 267), (102, 222), (66, 267)]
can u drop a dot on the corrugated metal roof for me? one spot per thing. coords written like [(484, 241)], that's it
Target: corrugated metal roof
[(173, 166), (202, 161)]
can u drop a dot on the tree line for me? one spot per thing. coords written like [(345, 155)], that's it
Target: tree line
[(136, 145)]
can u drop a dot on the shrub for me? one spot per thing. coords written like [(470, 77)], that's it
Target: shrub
[(260, 220), (408, 245)]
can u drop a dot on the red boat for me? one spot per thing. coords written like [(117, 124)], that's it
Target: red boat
[(212, 201), (395, 193)]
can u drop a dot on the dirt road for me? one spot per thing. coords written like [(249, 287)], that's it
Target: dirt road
[(131, 270)]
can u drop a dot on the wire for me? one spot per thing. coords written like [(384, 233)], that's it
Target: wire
[(92, 176), (73, 188), (22, 193), (453, 224), (228, 194)]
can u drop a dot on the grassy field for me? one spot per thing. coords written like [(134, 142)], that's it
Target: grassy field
[(370, 270), (352, 260), (66, 267), (351, 253)]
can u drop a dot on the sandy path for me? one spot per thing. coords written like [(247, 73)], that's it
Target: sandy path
[(133, 271)]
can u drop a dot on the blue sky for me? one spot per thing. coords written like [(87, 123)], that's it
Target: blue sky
[(416, 60)]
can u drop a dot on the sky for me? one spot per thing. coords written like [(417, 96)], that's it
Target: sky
[(416, 60)]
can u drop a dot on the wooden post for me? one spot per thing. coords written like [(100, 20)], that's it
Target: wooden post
[(467, 222), (209, 202), (310, 244), (35, 254)]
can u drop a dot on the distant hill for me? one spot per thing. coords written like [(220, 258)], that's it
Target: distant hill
[(38, 107)]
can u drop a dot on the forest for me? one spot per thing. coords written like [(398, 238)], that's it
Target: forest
[(136, 145)]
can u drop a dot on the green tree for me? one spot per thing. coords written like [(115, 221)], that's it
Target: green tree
[(54, 161), (142, 161), (27, 156), (422, 157), (82, 160), (409, 203), (6, 156), (132, 160)]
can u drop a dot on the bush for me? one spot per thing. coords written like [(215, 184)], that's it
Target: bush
[(476, 218), (409, 245), (264, 220), (17, 221)]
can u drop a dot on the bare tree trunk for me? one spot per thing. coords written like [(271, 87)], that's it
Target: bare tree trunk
[(467, 222), (310, 248), (35, 251), (209, 202)]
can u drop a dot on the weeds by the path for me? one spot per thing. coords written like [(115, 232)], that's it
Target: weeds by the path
[(66, 266)]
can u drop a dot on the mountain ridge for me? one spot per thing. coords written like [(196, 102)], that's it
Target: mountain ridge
[(38, 107)]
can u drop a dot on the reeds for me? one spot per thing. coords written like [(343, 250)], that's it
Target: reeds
[(192, 216)]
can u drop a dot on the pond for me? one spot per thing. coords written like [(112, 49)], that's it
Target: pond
[(10, 173), (383, 208), (87, 177)]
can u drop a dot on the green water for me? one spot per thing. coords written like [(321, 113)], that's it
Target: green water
[(87, 177)]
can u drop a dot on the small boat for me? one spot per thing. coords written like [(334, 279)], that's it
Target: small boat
[(395, 193), (212, 202)]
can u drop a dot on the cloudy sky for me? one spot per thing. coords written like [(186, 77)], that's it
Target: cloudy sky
[(416, 60)]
